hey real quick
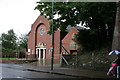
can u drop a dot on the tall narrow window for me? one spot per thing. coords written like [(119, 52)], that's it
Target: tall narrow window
[(73, 36)]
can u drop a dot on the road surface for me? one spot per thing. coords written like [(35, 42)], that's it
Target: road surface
[(17, 71)]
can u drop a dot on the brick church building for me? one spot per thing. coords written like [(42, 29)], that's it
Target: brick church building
[(39, 42)]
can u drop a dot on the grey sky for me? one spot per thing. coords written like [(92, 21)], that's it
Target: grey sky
[(17, 15)]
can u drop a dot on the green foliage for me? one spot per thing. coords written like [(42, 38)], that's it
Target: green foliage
[(98, 16), (9, 44), (8, 58), (60, 8), (0, 47), (52, 28), (23, 42), (88, 40), (22, 45)]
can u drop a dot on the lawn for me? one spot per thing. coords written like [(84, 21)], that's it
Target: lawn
[(8, 58), (14, 59)]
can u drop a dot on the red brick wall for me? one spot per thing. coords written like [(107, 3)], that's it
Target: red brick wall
[(45, 38), (57, 44), (32, 34), (68, 39), (35, 38), (30, 44)]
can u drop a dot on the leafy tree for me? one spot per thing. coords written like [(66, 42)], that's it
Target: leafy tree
[(116, 36), (9, 44), (0, 44), (22, 45), (89, 41), (23, 42), (98, 16), (0, 47)]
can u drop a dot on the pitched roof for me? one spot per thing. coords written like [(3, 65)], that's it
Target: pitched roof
[(77, 27)]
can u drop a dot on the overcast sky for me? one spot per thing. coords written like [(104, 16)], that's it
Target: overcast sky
[(17, 15)]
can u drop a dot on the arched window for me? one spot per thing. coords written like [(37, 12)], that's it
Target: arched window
[(41, 45), (42, 31), (73, 36)]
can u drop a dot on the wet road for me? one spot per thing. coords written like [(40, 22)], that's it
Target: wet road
[(11, 72)]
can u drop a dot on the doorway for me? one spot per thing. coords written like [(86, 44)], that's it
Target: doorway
[(41, 53)]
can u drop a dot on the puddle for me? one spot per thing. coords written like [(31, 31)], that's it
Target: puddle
[(43, 63)]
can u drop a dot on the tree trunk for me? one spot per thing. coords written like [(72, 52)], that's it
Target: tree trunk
[(116, 35)]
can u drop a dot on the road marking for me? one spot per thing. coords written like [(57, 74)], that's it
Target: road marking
[(19, 77), (18, 65), (23, 78)]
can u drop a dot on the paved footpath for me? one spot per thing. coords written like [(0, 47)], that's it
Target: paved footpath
[(62, 71), (71, 72)]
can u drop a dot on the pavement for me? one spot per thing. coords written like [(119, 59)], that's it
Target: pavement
[(77, 73), (80, 73)]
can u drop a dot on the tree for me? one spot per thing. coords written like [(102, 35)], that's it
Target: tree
[(9, 45), (98, 16), (116, 37), (0, 44), (23, 42), (22, 45)]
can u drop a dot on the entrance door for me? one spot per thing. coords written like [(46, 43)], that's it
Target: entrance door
[(41, 53), (37, 53)]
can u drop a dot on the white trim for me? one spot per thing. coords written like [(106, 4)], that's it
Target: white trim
[(44, 53), (28, 50), (40, 48)]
